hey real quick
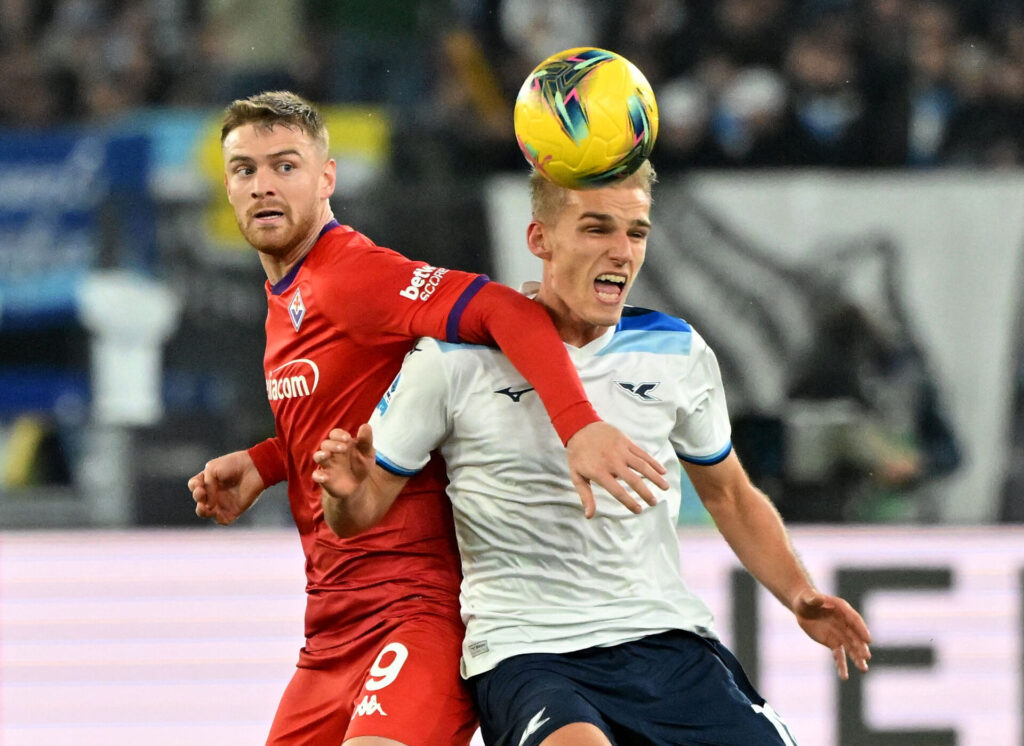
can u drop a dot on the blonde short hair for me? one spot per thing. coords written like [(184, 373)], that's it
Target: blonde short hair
[(547, 198), (264, 110)]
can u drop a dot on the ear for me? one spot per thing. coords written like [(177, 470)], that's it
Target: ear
[(329, 178), (536, 240)]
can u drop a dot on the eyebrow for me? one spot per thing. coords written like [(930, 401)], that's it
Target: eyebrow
[(272, 156), (606, 218)]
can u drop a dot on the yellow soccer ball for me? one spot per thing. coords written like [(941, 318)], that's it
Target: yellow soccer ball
[(586, 117)]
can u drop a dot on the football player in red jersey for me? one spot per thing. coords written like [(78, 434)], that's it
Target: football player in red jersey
[(383, 633)]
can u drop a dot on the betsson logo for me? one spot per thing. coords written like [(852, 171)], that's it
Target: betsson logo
[(294, 382), (423, 283)]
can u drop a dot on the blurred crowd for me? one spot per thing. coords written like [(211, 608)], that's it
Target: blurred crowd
[(740, 83), (848, 84)]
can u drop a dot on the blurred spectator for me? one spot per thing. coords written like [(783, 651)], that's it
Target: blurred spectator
[(751, 121), (535, 29), (661, 37), (829, 109), (932, 97), (868, 83), (863, 427), (750, 32), (379, 52), (471, 112), (252, 46), (23, 71), (988, 129), (685, 140), (88, 59)]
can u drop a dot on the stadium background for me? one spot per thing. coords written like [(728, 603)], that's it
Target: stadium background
[(840, 212)]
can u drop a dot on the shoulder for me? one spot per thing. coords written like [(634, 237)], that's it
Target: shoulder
[(341, 243), (645, 319), (445, 370), (645, 330), (460, 363), (349, 266), (448, 354), (454, 356)]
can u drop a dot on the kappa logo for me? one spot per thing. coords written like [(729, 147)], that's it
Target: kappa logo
[(297, 310), (369, 706), (293, 381), (641, 391), (515, 396), (534, 725)]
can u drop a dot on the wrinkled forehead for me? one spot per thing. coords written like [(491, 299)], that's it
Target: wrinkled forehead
[(256, 138), (626, 203)]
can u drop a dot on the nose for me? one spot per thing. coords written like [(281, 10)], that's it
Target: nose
[(620, 249), (262, 185)]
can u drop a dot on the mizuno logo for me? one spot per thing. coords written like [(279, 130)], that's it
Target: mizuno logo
[(513, 395), (534, 725), (641, 391), (369, 706)]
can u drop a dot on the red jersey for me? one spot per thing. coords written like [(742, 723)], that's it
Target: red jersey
[(338, 326)]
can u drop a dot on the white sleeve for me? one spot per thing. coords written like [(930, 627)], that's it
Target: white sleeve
[(412, 418), (702, 434)]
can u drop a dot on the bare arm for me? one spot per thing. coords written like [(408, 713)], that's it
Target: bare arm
[(754, 530), (356, 493)]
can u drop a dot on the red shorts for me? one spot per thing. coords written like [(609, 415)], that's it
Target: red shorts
[(400, 683)]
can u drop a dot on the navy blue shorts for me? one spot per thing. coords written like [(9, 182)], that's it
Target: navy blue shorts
[(670, 689)]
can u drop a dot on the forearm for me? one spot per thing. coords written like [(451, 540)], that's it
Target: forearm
[(362, 508), (754, 530), (523, 330), (350, 515)]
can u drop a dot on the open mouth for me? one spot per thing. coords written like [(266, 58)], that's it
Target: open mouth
[(268, 214), (610, 286)]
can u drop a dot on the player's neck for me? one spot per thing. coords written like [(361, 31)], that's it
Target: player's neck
[(277, 264), (578, 333), (573, 329)]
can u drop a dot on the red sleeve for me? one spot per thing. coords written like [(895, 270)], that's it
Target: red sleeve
[(268, 457), (498, 315)]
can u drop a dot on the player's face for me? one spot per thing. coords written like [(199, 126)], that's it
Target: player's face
[(592, 252), (278, 181)]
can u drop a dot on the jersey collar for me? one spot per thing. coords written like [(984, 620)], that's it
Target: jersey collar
[(285, 282), (594, 346)]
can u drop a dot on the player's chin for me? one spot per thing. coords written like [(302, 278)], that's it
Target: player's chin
[(268, 239), (607, 313)]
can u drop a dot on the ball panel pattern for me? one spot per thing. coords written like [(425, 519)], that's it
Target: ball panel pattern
[(586, 117)]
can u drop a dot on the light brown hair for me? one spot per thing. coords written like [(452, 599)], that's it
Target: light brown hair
[(547, 198), (264, 110)]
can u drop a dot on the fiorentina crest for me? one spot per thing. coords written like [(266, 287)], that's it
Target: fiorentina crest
[(297, 310)]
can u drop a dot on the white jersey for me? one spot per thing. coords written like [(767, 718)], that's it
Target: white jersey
[(537, 576)]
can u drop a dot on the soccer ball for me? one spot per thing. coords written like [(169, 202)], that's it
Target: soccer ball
[(586, 117)]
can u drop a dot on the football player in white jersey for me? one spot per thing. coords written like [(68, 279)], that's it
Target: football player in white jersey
[(578, 631)]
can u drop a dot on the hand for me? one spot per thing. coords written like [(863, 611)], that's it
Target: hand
[(226, 487), (835, 624), (603, 454), (343, 462)]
